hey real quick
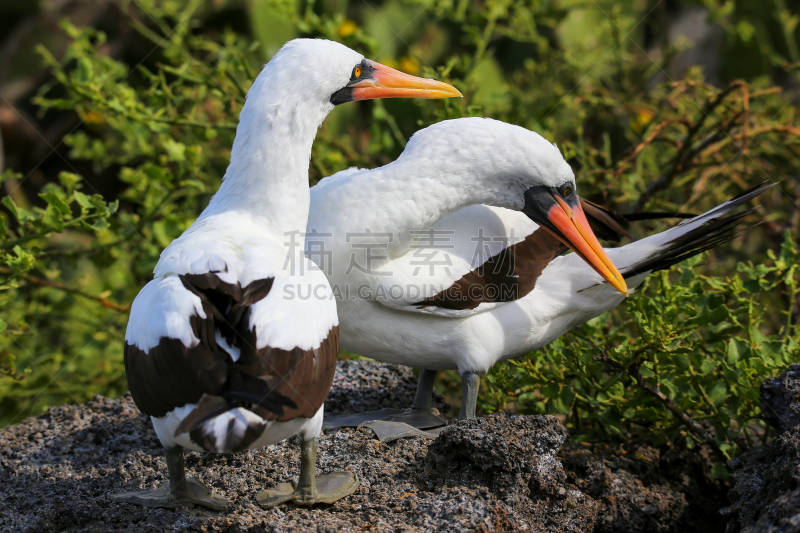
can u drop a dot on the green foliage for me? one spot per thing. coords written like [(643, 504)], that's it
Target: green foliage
[(681, 362), (639, 133)]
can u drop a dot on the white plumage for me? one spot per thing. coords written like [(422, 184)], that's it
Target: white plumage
[(467, 180), (223, 351)]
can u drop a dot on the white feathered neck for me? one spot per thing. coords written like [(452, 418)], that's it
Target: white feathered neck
[(264, 194), (267, 177), (444, 168)]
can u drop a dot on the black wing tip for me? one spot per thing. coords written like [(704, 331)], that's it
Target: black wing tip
[(755, 191), (738, 200), (718, 228)]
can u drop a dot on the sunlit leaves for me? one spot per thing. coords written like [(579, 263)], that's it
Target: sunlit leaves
[(702, 341), (159, 129)]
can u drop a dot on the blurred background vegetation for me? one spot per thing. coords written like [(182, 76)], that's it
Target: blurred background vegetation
[(117, 119)]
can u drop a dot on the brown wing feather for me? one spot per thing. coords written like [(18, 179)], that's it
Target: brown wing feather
[(505, 277), (170, 374), (512, 273), (302, 376)]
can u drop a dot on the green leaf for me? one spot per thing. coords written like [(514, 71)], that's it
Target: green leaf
[(56, 201), (83, 200), (158, 173), (712, 316), (53, 219), (737, 350), (720, 471), (718, 392), (22, 215), (175, 150), (101, 224), (563, 403), (99, 204), (84, 72), (69, 180)]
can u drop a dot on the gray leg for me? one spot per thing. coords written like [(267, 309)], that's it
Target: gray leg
[(306, 491), (309, 488), (177, 492), (177, 473), (470, 381), (419, 416), (424, 398)]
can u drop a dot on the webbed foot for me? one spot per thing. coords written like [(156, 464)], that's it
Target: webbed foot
[(417, 418), (327, 489), (177, 492), (309, 489), (196, 493)]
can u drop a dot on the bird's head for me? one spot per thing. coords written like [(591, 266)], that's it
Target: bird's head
[(332, 74), (518, 169), (556, 207)]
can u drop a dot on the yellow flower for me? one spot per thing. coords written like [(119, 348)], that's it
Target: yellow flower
[(641, 119), (347, 27), (409, 65), (93, 118)]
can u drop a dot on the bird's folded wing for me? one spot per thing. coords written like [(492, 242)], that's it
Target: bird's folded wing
[(477, 259), (269, 343), (463, 265)]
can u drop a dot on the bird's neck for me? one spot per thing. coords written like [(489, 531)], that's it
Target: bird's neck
[(267, 178), (409, 197)]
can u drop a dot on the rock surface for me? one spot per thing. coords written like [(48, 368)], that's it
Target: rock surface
[(513, 458), (766, 493), (780, 399), (497, 473), (639, 488)]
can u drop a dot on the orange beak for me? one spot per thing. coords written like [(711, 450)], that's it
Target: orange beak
[(387, 82), (578, 235)]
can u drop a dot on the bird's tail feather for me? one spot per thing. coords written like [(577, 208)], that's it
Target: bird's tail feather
[(221, 426), (687, 239), (232, 421), (690, 237)]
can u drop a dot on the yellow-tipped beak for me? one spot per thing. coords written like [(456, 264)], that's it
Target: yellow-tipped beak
[(390, 83), (578, 235)]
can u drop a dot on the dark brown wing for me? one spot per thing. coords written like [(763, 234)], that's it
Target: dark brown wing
[(302, 376), (512, 273), (171, 374), (505, 277)]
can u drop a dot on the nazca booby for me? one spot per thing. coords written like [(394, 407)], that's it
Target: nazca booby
[(216, 352), (451, 256)]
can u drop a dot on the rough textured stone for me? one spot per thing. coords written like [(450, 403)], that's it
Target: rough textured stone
[(766, 493), (639, 488), (513, 458), (780, 399), (498, 473)]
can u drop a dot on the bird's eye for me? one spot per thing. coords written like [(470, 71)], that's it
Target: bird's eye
[(357, 72), (567, 191)]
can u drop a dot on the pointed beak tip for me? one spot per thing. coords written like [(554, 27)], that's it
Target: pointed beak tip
[(623, 288), (578, 235)]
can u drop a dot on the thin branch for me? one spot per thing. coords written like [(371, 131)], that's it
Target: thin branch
[(47, 283), (25, 238), (655, 392), (188, 123), (680, 158)]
